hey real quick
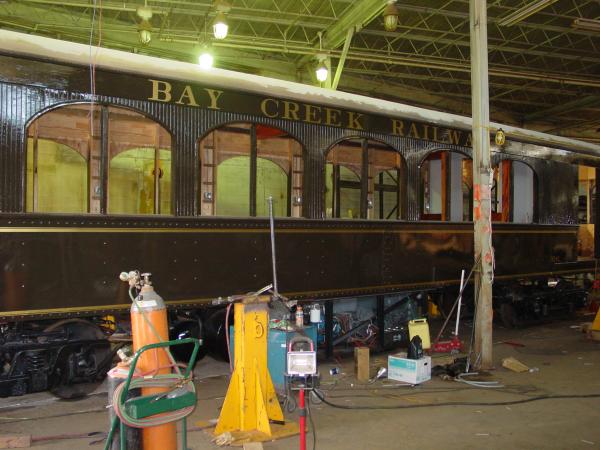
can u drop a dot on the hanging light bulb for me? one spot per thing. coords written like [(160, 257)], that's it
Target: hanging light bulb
[(205, 60), (322, 72), (144, 27), (145, 32), (390, 16), (220, 27)]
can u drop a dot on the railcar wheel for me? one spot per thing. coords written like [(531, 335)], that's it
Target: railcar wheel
[(187, 328), (81, 364)]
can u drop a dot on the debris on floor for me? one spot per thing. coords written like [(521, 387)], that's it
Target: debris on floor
[(514, 364)]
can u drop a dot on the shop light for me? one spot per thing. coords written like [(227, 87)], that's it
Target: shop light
[(220, 27)]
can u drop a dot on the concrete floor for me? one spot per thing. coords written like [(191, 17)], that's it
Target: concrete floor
[(567, 363)]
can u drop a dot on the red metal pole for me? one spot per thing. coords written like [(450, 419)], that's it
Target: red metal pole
[(302, 421)]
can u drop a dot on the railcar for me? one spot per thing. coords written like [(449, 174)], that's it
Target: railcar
[(117, 161)]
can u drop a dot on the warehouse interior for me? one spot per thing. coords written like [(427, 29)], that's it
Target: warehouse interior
[(299, 224)]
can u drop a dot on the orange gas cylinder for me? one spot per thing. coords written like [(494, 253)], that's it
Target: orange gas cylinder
[(149, 308)]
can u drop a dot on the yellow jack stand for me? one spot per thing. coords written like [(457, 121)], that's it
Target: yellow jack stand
[(251, 402), (594, 330)]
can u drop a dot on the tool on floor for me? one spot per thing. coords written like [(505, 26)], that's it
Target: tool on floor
[(454, 345), (302, 375)]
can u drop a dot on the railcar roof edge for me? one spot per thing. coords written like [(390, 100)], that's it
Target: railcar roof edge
[(74, 53)]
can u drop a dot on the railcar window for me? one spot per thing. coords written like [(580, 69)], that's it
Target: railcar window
[(137, 146), (243, 164), (66, 150), (347, 196), (234, 172), (63, 161), (524, 187), (58, 175), (446, 187), (501, 191), (586, 213)]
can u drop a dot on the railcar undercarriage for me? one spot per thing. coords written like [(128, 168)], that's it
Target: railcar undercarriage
[(65, 357)]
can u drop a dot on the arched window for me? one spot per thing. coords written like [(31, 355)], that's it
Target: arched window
[(362, 180), (243, 164), (60, 160), (97, 158), (137, 146), (524, 193), (447, 187)]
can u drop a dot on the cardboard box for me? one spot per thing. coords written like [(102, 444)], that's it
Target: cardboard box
[(413, 371)]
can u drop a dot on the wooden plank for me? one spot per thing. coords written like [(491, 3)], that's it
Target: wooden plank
[(361, 363), (15, 441), (253, 446)]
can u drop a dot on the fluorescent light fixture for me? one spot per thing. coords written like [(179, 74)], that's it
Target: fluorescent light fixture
[(522, 13), (220, 26), (587, 24), (206, 60)]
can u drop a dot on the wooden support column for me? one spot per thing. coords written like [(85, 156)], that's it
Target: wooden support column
[(596, 201), (482, 214)]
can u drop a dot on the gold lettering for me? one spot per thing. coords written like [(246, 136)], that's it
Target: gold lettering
[(354, 120), (454, 136), (311, 114), (290, 110), (426, 132), (435, 134), (189, 95), (398, 127), (469, 142), (214, 98), (413, 131), (264, 104), (156, 91), (332, 117)]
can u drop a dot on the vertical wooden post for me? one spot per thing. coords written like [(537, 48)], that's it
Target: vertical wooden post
[(157, 169), (507, 189), (482, 214), (35, 199), (364, 179), (596, 201), (104, 157), (445, 185)]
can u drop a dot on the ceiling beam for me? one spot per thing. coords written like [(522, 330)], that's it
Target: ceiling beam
[(359, 15), (565, 107)]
